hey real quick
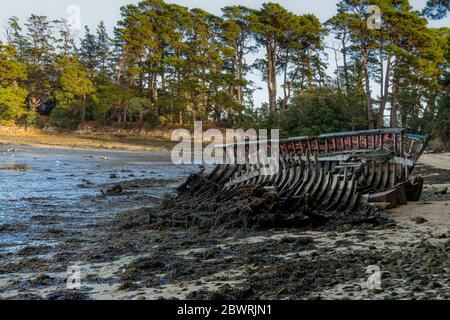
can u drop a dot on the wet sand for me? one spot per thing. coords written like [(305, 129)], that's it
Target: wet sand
[(123, 254)]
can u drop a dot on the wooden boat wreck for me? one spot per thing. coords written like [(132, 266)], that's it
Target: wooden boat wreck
[(330, 173)]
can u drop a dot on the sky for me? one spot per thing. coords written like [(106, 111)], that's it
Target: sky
[(93, 11)]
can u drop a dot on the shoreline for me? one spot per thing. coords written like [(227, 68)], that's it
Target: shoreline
[(73, 140)]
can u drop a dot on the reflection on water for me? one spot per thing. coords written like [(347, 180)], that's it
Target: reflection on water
[(50, 187)]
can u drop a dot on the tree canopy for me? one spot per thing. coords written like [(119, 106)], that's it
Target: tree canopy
[(169, 65), (12, 96)]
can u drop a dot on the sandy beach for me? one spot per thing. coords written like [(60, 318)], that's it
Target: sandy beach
[(63, 221)]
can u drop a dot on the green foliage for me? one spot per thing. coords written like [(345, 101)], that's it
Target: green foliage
[(74, 81), (75, 86), (94, 54), (442, 124), (64, 118), (12, 95), (108, 100), (315, 112), (167, 64), (38, 53), (32, 118), (146, 110)]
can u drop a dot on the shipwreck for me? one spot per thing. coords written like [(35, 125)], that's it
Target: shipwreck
[(346, 177)]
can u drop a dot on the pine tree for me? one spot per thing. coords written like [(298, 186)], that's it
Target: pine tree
[(237, 37), (39, 54), (103, 53), (270, 25), (88, 53), (65, 44), (75, 86), (12, 95)]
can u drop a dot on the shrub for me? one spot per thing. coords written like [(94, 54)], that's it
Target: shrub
[(315, 112), (441, 128), (64, 118), (33, 119)]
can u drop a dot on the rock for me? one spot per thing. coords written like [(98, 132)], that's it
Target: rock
[(440, 190), (11, 228), (304, 241), (416, 289), (245, 293), (357, 287), (114, 191), (377, 291), (348, 288), (32, 250), (68, 295), (420, 220), (43, 280), (85, 184), (346, 227), (434, 285), (403, 295), (387, 284)]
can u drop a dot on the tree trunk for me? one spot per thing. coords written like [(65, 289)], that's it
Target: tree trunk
[(426, 122), (286, 85), (309, 71), (231, 90), (394, 107), (272, 78), (83, 110), (344, 54), (34, 103), (338, 81), (367, 87), (154, 87), (384, 93), (240, 76)]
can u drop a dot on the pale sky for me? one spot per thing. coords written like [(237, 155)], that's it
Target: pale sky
[(92, 11)]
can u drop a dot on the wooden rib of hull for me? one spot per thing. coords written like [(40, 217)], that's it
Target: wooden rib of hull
[(332, 172)]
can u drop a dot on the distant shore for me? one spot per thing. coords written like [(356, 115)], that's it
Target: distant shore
[(128, 141)]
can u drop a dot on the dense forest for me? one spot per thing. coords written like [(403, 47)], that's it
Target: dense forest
[(167, 65)]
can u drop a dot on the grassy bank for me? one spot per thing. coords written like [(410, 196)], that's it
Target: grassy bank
[(157, 140)]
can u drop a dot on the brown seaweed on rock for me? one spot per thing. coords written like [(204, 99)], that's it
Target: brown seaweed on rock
[(255, 207)]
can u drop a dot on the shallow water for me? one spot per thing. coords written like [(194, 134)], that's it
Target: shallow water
[(50, 187)]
